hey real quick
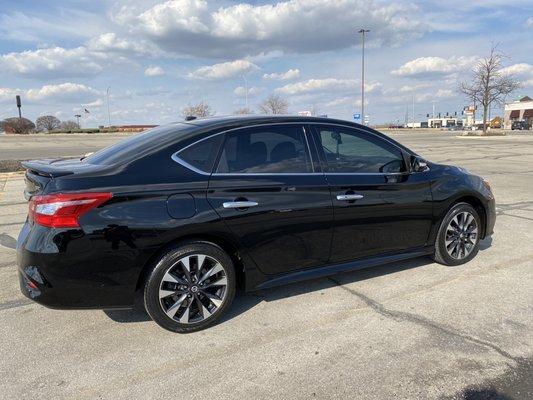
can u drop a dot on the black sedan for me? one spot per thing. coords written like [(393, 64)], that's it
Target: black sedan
[(188, 212)]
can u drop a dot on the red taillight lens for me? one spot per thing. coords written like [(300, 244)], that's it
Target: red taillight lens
[(63, 210)]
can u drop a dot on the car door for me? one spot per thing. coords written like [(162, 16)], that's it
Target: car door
[(379, 206), (267, 190)]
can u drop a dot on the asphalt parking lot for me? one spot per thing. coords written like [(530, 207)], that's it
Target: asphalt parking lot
[(411, 330)]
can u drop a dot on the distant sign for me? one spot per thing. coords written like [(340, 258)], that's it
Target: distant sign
[(304, 113), (357, 116)]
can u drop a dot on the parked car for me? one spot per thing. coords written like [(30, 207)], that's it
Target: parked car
[(455, 128), (520, 126), (188, 212)]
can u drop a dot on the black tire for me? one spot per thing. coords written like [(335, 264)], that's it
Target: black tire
[(442, 254), (170, 261)]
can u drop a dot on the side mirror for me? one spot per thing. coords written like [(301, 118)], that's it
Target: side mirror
[(418, 164)]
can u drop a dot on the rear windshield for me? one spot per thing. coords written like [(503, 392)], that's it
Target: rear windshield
[(138, 144)]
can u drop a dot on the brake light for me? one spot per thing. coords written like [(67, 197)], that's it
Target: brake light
[(63, 210)]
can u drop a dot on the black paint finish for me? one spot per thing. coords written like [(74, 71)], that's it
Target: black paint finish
[(299, 230)]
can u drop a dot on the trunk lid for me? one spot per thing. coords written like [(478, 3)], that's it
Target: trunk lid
[(39, 173)]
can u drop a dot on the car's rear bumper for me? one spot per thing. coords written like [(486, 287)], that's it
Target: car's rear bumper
[(69, 278)]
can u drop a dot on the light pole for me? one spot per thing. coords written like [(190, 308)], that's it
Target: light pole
[(413, 111), (78, 120), (245, 90), (363, 32), (108, 113)]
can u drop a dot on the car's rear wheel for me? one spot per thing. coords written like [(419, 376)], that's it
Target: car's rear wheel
[(190, 287), (458, 237)]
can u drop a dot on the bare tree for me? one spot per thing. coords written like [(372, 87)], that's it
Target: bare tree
[(243, 111), (274, 104), (199, 110), (47, 123), (21, 126), (489, 85), (69, 125)]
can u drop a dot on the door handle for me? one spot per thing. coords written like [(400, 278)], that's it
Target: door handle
[(349, 197), (240, 204)]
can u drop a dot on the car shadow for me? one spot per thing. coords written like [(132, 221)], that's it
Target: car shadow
[(484, 394), (245, 301), (485, 243)]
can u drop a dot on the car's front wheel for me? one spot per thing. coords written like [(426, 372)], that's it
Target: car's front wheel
[(458, 237), (190, 287)]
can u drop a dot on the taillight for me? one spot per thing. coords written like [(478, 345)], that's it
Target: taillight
[(64, 209)]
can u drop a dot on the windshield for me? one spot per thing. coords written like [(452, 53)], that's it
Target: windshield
[(138, 144)]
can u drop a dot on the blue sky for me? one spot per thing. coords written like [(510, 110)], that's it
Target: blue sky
[(158, 57)]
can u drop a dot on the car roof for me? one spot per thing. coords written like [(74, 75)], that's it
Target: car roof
[(246, 120)]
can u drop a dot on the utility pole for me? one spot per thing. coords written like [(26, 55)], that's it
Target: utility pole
[(78, 120), (245, 90), (433, 103), (363, 32), (413, 112), (474, 116), (108, 113)]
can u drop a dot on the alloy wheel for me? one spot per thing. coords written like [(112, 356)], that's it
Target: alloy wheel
[(461, 235), (193, 288)]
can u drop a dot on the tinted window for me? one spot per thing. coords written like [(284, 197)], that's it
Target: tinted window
[(347, 150), (202, 155), (269, 149), (136, 145)]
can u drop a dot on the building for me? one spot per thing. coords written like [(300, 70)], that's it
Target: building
[(133, 128), (444, 122), (520, 110)]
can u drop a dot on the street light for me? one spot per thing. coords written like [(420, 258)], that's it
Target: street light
[(363, 32), (108, 113)]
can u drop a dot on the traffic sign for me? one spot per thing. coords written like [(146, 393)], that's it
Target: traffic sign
[(357, 116)]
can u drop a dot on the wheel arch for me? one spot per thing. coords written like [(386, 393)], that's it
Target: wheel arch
[(476, 203), (230, 247)]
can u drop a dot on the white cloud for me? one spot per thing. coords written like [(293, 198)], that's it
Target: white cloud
[(342, 101), (327, 85), (52, 62), (202, 28), (240, 91), (523, 72), (222, 71), (283, 76), (529, 22), (317, 86), (521, 69), (110, 42), (81, 61), (445, 93), (8, 94), (412, 88), (425, 67), (96, 103), (51, 26), (154, 71), (63, 93)]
